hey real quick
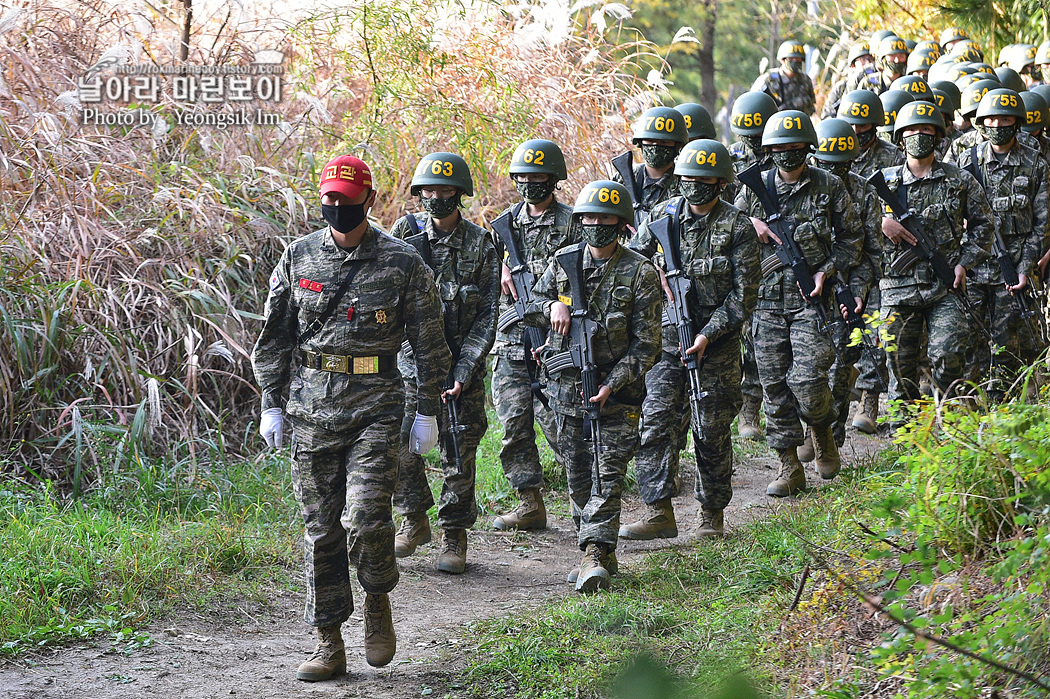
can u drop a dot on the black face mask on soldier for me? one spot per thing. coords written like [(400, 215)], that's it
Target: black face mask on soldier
[(794, 65), (866, 138), (698, 193), (439, 208), (535, 192), (920, 145), (840, 170), (658, 156), (897, 67), (344, 218), (1000, 135), (599, 235), (790, 160)]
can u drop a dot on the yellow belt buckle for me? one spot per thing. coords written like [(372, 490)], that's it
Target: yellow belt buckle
[(334, 362), (366, 365)]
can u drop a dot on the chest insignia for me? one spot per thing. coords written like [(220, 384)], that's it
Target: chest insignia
[(381, 317)]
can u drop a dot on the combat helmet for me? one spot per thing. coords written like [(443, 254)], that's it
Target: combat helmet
[(1001, 102), (892, 102), (917, 113), (539, 156), (605, 197), (697, 119), (789, 126), (750, 113), (1010, 79), (704, 157), (861, 107), (442, 170), (1037, 113), (836, 141), (915, 85), (660, 123), (791, 49), (972, 95)]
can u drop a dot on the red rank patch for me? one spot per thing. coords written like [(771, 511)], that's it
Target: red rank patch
[(312, 286)]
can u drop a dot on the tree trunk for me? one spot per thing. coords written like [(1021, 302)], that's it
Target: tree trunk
[(184, 50), (706, 57)]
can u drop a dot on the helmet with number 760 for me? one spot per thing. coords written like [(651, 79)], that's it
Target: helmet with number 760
[(704, 157), (658, 124), (442, 170), (605, 197)]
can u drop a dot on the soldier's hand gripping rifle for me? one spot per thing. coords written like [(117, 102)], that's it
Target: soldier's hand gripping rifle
[(524, 280), (844, 297), (582, 333), (1010, 276), (667, 232), (624, 165), (924, 248), (788, 251)]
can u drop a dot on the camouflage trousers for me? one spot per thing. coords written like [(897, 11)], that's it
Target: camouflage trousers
[(343, 481), (1017, 346), (750, 385), (666, 400), (597, 517), (870, 370), (838, 379), (457, 508), (519, 411), (948, 330), (794, 357)]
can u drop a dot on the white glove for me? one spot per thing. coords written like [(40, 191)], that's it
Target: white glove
[(271, 427), (424, 434)]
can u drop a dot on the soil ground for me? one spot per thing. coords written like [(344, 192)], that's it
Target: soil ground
[(252, 650)]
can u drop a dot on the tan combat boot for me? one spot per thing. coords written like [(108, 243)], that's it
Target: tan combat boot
[(328, 659), (657, 523), (530, 513), (828, 461), (805, 452), (867, 413), (380, 640), (748, 426), (453, 558), (413, 533), (791, 478), (593, 575), (709, 524), (609, 562)]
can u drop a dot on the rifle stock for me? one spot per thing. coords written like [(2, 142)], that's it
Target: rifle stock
[(624, 166)]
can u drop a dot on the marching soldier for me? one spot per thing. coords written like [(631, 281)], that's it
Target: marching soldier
[(467, 279), (341, 301), (660, 133), (789, 86), (859, 63), (891, 56)]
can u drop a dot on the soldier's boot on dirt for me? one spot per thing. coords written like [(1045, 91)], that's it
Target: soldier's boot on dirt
[(827, 454), (867, 413), (453, 558), (413, 533), (657, 523), (380, 640), (791, 478), (806, 452), (709, 524), (593, 575), (748, 426), (529, 514), (328, 659), (609, 562)]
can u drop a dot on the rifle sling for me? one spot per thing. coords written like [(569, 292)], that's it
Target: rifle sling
[(318, 323)]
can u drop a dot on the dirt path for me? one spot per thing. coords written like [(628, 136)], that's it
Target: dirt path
[(252, 650)]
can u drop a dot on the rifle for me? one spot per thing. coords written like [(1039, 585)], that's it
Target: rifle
[(524, 280), (844, 297), (667, 232), (788, 251), (1009, 270), (421, 243), (924, 247), (582, 333), (624, 165)]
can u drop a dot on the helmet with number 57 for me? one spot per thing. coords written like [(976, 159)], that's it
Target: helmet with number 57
[(789, 126), (605, 197), (538, 156), (751, 111), (658, 124), (918, 113), (704, 157), (442, 170), (836, 141)]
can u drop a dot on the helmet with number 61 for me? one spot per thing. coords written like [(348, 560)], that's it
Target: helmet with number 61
[(789, 126), (704, 157), (442, 170), (836, 141), (605, 197)]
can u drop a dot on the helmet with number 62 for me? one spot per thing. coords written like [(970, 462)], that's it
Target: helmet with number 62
[(918, 113), (789, 126), (442, 170), (704, 157), (660, 123), (751, 111), (836, 141), (605, 197), (538, 156)]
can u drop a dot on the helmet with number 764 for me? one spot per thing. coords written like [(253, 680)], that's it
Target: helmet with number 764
[(704, 157)]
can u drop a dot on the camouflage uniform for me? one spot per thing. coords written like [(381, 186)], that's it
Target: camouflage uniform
[(653, 191), (624, 299), (515, 404), (345, 426), (959, 221), (720, 251), (869, 82), (794, 353), (467, 281), (834, 98), (1017, 192), (968, 139), (793, 91)]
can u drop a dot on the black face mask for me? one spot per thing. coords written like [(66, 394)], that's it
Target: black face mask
[(840, 170), (920, 145), (343, 218), (439, 208), (790, 160), (999, 135), (535, 192), (658, 156), (794, 65), (600, 234), (754, 142), (866, 138), (896, 67), (699, 193)]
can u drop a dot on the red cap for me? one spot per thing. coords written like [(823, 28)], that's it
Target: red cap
[(347, 175)]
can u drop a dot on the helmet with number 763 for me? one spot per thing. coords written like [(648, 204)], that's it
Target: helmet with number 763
[(442, 170)]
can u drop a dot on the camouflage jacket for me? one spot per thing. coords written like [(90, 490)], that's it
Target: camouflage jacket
[(743, 158), (865, 274), (653, 191), (878, 156), (539, 238), (827, 231), (788, 91), (957, 219), (1016, 190), (872, 82), (391, 297), (624, 300), (467, 277), (720, 254), (968, 139), (834, 98)]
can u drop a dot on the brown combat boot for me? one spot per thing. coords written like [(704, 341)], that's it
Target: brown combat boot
[(380, 639), (530, 513), (413, 533), (609, 562), (328, 659), (453, 558), (593, 575), (657, 523), (805, 452), (827, 457), (791, 478), (867, 413), (709, 524), (748, 427)]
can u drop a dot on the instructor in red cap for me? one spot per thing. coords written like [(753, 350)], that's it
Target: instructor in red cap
[(341, 301)]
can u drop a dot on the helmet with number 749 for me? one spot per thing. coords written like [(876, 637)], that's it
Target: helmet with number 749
[(605, 197), (704, 157)]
